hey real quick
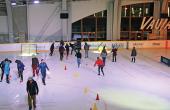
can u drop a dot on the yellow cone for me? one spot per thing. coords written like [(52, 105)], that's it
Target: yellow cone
[(76, 75), (94, 107), (86, 90)]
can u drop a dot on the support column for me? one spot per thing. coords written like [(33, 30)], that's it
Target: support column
[(116, 20), (65, 22), (110, 5), (10, 21), (156, 15), (164, 11)]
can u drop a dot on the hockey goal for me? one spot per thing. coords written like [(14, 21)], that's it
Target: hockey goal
[(28, 49)]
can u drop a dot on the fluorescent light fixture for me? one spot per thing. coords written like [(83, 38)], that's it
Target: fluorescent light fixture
[(13, 3), (36, 1), (168, 11)]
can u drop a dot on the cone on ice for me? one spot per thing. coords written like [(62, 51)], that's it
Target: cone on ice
[(65, 68), (86, 90), (97, 97), (76, 75), (94, 107)]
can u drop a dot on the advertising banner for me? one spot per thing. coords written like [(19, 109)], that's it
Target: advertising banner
[(147, 44)]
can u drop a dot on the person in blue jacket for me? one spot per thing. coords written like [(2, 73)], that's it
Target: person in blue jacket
[(20, 67), (7, 69), (43, 66)]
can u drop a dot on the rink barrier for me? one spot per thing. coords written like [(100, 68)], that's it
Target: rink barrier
[(45, 46), (165, 60)]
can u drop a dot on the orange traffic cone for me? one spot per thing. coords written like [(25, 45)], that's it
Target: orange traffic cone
[(97, 97), (65, 68)]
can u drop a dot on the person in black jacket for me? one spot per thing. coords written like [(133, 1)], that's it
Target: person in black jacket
[(86, 49), (133, 54), (114, 54), (2, 65), (32, 90), (61, 51), (72, 47), (78, 55), (67, 50), (35, 65), (52, 49), (62, 42)]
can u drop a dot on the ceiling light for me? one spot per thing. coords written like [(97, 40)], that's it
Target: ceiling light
[(13, 3), (36, 1)]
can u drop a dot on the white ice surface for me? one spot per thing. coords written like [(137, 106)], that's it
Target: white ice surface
[(144, 85)]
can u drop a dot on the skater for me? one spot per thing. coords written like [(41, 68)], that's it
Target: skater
[(104, 55), (7, 69), (0, 72), (52, 49), (43, 66), (67, 50), (61, 51), (100, 64), (114, 54), (78, 55), (133, 54), (72, 47), (32, 90), (2, 65), (35, 65), (86, 49), (62, 42), (20, 67)]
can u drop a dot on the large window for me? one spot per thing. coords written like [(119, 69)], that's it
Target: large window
[(92, 27), (131, 20)]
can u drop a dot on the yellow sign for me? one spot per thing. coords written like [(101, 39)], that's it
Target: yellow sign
[(157, 24)]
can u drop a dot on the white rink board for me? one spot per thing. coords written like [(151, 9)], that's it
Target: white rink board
[(10, 47), (96, 45), (147, 44), (93, 45)]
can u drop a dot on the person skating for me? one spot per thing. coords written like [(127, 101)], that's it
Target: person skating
[(99, 62), (61, 51), (20, 67), (78, 55), (7, 69), (104, 55), (72, 47), (43, 66), (35, 64), (62, 42), (86, 49), (67, 50), (114, 54), (2, 65), (133, 54), (32, 90), (0, 72), (51, 49)]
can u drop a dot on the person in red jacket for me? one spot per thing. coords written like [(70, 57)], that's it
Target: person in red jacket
[(99, 62)]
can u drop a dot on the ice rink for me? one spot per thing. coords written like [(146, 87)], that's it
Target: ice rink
[(144, 85)]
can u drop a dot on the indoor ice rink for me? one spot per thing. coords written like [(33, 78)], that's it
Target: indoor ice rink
[(29, 27), (143, 85)]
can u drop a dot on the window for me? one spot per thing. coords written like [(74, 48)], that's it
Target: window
[(131, 19), (92, 27)]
